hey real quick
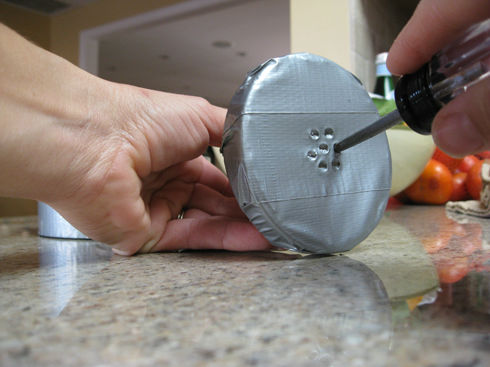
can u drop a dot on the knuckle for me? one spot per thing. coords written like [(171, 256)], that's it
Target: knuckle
[(202, 104)]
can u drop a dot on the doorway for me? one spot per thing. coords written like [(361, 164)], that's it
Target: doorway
[(197, 47)]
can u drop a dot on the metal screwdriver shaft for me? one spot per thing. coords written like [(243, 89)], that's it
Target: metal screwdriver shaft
[(368, 132)]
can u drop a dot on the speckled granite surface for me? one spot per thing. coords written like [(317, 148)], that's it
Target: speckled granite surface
[(415, 293)]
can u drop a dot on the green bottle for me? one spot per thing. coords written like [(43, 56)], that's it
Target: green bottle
[(384, 80), (384, 90)]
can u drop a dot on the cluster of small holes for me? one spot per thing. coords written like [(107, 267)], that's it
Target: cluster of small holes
[(323, 149)]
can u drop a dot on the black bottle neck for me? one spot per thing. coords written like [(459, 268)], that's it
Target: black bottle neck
[(415, 102)]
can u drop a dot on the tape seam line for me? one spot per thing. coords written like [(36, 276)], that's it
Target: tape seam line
[(319, 196)]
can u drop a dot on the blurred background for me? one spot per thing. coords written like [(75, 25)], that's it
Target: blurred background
[(202, 47)]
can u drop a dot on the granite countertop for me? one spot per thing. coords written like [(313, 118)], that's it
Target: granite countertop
[(415, 293)]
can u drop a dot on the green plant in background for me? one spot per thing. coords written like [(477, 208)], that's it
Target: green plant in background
[(384, 107), (383, 94)]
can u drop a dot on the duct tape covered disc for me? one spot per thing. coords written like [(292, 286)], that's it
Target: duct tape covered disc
[(278, 143)]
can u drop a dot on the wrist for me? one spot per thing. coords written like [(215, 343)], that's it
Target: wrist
[(51, 114)]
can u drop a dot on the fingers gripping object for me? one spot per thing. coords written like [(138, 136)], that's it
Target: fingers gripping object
[(278, 142)]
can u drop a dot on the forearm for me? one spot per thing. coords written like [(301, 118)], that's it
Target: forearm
[(47, 115)]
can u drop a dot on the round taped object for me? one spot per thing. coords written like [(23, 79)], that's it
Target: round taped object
[(278, 142)]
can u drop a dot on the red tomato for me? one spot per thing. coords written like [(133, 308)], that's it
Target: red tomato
[(459, 187), (483, 155), (473, 181), (466, 164), (434, 186), (450, 162)]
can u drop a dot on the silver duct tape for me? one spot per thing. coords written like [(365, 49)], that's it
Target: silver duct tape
[(280, 130), (52, 224)]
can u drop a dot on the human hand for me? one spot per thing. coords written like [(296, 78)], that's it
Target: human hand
[(149, 171), (463, 126), (118, 162)]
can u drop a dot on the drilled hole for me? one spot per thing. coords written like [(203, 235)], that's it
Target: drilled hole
[(323, 148), (323, 165), (328, 133), (314, 134), (312, 155), (336, 164)]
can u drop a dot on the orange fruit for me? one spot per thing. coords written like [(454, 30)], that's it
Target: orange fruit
[(434, 185)]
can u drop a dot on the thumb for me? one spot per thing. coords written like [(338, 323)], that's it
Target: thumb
[(213, 118), (463, 126)]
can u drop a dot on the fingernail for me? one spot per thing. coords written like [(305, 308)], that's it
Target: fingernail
[(121, 252), (456, 134)]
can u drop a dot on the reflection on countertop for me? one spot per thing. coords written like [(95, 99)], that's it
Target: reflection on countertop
[(416, 292)]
